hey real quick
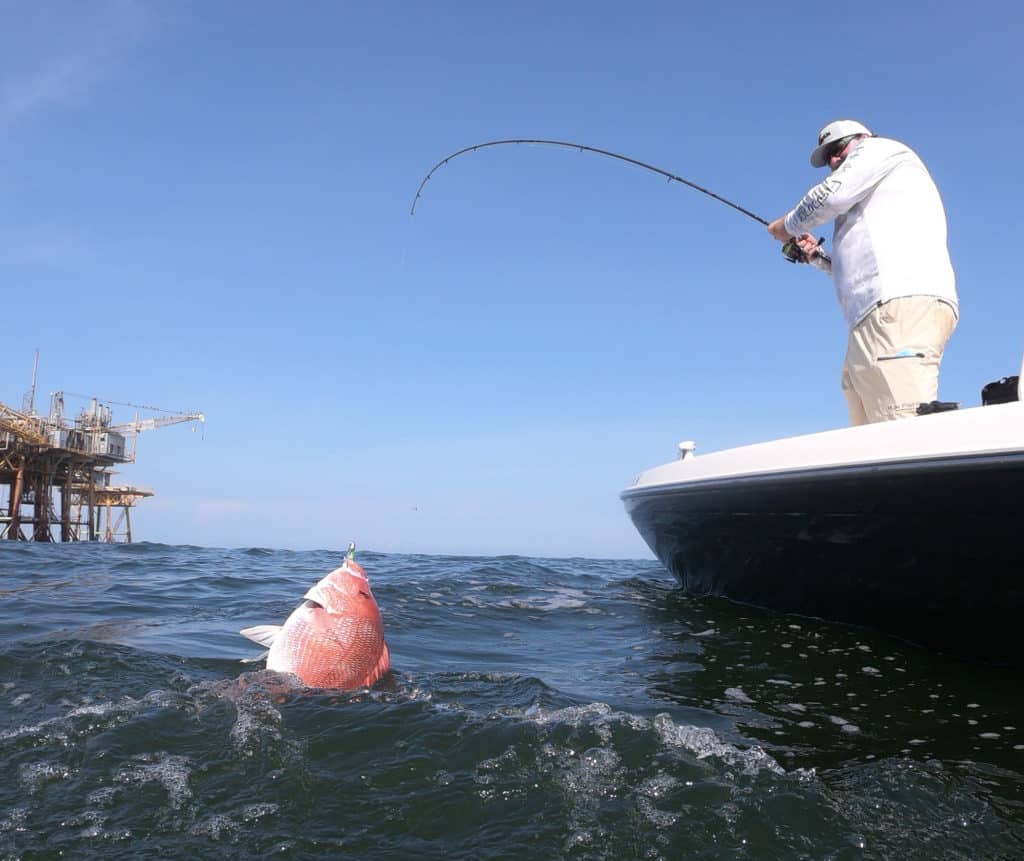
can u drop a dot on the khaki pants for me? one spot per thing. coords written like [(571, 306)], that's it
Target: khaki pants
[(892, 358)]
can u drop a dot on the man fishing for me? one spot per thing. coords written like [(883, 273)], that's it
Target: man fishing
[(890, 264)]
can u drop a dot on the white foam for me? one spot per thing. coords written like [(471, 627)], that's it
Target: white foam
[(545, 602), (216, 827), (64, 727), (16, 819), (171, 772), (230, 825), (105, 796), (594, 775), (701, 741), (34, 774), (649, 793)]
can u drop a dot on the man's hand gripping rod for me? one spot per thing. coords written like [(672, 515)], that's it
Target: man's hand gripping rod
[(795, 254)]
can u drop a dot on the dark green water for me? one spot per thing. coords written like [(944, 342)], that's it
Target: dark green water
[(538, 708)]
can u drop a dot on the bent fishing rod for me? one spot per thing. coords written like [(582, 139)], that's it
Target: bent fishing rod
[(791, 250)]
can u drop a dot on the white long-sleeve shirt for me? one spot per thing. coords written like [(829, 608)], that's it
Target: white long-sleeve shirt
[(889, 238)]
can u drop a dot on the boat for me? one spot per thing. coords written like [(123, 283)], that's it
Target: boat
[(908, 526)]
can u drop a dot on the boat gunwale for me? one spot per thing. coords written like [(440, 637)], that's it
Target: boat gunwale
[(827, 472)]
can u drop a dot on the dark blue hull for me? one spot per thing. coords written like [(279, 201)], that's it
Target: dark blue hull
[(932, 552)]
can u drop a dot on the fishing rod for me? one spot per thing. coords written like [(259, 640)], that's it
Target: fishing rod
[(791, 250)]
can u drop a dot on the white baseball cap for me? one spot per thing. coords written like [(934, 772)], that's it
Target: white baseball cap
[(832, 132)]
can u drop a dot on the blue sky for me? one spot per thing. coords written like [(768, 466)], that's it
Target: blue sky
[(206, 206)]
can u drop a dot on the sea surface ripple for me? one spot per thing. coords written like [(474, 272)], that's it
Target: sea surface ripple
[(537, 708)]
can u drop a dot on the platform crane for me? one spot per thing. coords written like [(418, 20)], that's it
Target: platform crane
[(157, 422), (135, 427)]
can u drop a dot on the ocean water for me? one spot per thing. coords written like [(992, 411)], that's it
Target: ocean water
[(538, 708)]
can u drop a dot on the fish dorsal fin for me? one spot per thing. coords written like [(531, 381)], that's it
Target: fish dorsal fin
[(262, 634)]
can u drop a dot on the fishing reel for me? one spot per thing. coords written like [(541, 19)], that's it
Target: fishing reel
[(795, 254)]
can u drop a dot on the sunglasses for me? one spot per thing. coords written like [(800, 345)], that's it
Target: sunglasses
[(836, 147)]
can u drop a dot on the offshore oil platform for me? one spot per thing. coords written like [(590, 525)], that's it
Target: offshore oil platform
[(57, 472)]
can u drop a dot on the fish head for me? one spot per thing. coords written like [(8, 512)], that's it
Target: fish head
[(344, 590)]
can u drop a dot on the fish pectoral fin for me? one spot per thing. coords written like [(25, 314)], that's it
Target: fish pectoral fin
[(255, 659), (383, 665), (262, 634)]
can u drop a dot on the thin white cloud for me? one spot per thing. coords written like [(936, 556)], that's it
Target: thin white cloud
[(222, 507), (43, 244), (72, 51), (47, 86)]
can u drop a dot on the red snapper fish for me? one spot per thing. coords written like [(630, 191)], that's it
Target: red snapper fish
[(334, 638)]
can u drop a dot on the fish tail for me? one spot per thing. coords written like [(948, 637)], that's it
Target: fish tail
[(262, 634)]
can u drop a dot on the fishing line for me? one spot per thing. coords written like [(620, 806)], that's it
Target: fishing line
[(584, 148)]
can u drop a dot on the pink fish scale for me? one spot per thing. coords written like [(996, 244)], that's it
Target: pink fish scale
[(328, 650)]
